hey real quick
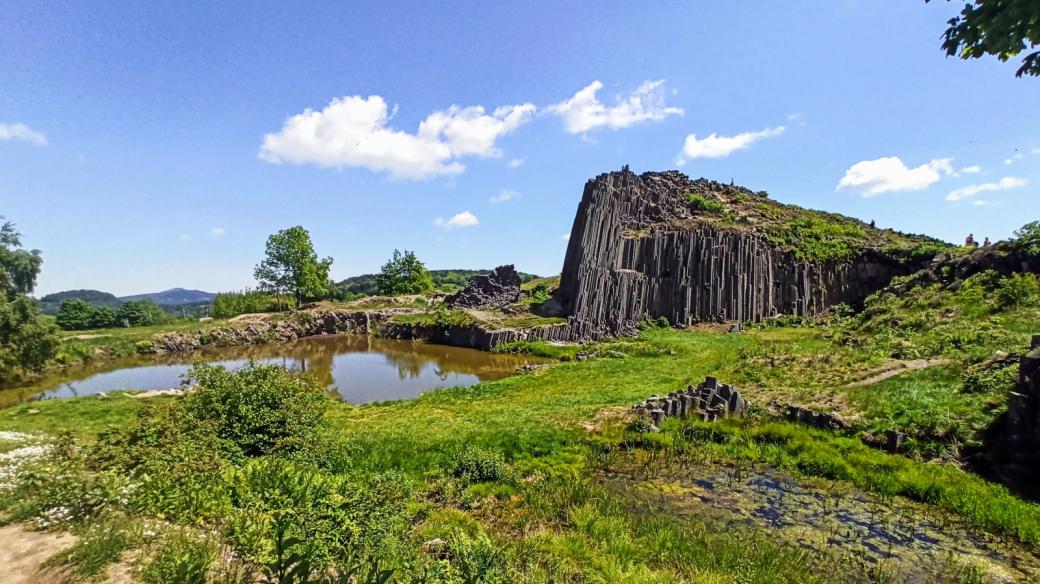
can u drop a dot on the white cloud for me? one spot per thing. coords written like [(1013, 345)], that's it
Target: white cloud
[(463, 219), (355, 131), (889, 174), (715, 146), (973, 169), (503, 196), (217, 232), (1008, 182), (1013, 159), (1036, 151), (796, 118), (584, 111), (515, 163), (22, 133)]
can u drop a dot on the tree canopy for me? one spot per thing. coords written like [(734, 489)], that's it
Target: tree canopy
[(1001, 28), (404, 274), (26, 342), (291, 266)]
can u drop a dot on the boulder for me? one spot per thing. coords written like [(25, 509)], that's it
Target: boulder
[(495, 290)]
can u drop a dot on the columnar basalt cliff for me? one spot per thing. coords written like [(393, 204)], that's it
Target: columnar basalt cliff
[(660, 244)]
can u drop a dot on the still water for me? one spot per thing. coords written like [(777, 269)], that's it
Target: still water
[(361, 369)]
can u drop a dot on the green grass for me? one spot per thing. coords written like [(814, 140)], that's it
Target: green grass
[(85, 416)]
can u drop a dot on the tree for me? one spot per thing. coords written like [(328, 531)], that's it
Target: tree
[(140, 313), (291, 266), (1002, 28), (75, 315), (26, 342), (404, 274)]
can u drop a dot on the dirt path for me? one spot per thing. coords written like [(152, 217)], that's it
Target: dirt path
[(22, 551), (897, 368)]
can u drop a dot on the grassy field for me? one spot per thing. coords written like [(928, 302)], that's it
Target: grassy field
[(533, 444)]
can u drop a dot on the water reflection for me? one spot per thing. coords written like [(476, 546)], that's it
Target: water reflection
[(361, 369)]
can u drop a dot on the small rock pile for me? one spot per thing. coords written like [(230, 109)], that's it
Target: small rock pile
[(709, 401), (495, 290), (821, 420)]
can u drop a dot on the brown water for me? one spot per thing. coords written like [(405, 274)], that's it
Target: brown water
[(361, 369)]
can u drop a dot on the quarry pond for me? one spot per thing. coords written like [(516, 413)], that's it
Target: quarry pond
[(360, 368)]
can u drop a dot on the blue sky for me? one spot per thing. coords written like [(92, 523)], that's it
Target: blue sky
[(146, 146)]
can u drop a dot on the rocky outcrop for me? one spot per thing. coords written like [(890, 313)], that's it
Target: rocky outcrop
[(637, 250), (708, 402), (295, 326), (474, 336), (495, 290), (1022, 431), (951, 270)]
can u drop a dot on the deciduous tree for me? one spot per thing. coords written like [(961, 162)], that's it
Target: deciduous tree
[(291, 266), (404, 274), (1001, 28)]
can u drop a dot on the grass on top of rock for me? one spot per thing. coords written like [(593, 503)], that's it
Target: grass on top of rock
[(810, 235)]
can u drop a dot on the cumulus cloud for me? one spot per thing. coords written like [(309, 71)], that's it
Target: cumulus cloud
[(1008, 182), (973, 169), (889, 174), (584, 111), (22, 133), (503, 196), (217, 232), (715, 146), (459, 220), (515, 163), (355, 131)]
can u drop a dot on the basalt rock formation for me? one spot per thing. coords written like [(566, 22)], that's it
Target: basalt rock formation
[(660, 244), (494, 290)]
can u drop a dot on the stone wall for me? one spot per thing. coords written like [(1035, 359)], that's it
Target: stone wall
[(474, 336), (618, 271)]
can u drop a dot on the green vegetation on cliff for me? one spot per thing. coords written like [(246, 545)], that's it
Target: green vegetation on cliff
[(811, 235)]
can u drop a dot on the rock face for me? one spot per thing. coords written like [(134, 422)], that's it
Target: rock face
[(1022, 433), (637, 251), (499, 288)]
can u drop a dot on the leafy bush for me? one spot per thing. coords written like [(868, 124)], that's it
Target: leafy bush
[(475, 464), (228, 304), (991, 380), (1027, 238), (1018, 290), (704, 204), (539, 294), (257, 409)]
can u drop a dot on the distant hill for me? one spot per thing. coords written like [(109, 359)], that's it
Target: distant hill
[(50, 303), (443, 280), (174, 301), (174, 297)]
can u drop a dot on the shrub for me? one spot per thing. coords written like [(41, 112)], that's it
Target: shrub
[(1027, 238), (257, 409), (996, 380), (1018, 290), (228, 304), (539, 294), (474, 464), (705, 204)]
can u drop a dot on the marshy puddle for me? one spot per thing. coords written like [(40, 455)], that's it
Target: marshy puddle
[(361, 369), (905, 540)]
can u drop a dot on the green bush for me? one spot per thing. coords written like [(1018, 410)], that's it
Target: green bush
[(1018, 290), (539, 294), (704, 204), (257, 409), (475, 464), (229, 304), (1027, 238), (991, 380)]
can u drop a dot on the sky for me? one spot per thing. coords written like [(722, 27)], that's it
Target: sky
[(151, 145)]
